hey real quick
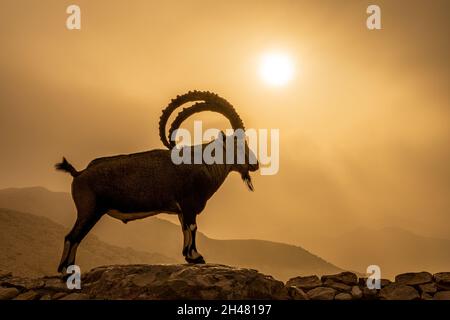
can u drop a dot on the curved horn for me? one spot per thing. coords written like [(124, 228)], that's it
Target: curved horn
[(212, 102), (226, 110)]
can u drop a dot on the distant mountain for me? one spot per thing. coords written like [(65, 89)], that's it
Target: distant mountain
[(281, 260), (395, 250), (32, 245), (56, 206), (156, 235)]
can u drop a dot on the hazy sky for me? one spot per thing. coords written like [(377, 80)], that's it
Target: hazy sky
[(364, 124)]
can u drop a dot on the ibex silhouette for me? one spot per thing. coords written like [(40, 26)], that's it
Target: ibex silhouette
[(139, 185)]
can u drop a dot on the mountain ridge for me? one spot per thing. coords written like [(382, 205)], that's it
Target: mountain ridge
[(155, 235), (393, 249)]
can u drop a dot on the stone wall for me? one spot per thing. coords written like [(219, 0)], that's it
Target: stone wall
[(211, 281), (347, 286)]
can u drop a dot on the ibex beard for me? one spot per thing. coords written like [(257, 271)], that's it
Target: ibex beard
[(139, 185)]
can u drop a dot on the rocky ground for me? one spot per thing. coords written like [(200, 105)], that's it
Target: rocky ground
[(211, 281)]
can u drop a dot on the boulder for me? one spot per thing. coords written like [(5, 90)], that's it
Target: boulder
[(414, 278), (426, 296), (55, 284), (58, 295), (385, 282), (28, 295), (370, 294), (396, 291), (321, 293), (356, 293), (297, 293), (428, 288), (5, 274), (341, 287), (348, 278), (362, 282), (343, 296), (23, 283), (442, 295), (305, 283), (177, 281), (442, 280), (8, 293)]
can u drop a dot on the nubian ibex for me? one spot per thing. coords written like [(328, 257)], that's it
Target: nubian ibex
[(139, 185)]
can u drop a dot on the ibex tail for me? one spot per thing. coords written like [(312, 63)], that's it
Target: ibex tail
[(67, 167)]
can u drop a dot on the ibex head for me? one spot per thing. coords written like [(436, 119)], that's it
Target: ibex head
[(244, 160)]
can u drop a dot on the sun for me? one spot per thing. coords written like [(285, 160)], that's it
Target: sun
[(276, 69)]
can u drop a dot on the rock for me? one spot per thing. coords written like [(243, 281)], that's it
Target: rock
[(414, 278), (426, 296), (383, 282), (362, 282), (177, 281), (337, 286), (93, 275), (428, 288), (55, 284), (370, 294), (343, 296), (305, 283), (5, 274), (356, 293), (297, 293), (219, 282), (29, 295), (442, 295), (23, 283), (8, 293), (348, 278), (321, 293), (396, 291), (76, 296), (442, 280), (58, 295)]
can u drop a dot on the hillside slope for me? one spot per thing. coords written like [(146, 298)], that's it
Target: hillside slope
[(31, 246), (56, 206)]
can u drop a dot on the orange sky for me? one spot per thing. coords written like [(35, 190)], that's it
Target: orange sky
[(364, 125)]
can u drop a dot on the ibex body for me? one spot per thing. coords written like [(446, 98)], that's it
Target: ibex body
[(135, 186)]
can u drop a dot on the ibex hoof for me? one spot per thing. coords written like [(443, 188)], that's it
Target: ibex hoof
[(198, 260), (64, 276)]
